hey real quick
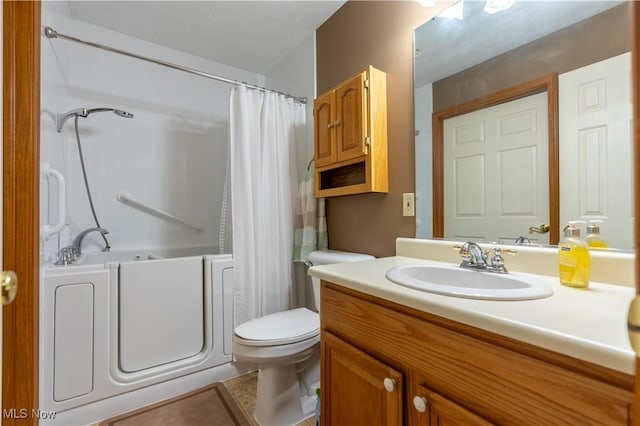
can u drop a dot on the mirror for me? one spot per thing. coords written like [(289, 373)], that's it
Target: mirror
[(585, 46)]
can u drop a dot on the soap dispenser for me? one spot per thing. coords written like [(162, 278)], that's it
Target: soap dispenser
[(593, 238), (574, 262)]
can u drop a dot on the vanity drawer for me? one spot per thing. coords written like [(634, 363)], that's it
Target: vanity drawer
[(474, 368)]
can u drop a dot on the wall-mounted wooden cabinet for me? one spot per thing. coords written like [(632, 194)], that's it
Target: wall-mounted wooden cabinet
[(387, 364), (350, 133)]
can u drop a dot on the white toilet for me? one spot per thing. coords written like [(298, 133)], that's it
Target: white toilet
[(284, 346)]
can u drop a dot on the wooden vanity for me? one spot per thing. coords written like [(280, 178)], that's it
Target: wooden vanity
[(384, 363)]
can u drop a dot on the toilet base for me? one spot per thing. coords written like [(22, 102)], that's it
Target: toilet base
[(280, 399)]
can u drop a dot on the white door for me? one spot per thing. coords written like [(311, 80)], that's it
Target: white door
[(496, 172), (595, 113)]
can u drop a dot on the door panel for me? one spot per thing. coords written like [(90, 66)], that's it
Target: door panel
[(443, 412), (353, 386), (351, 115), (496, 171), (323, 118), (595, 130)]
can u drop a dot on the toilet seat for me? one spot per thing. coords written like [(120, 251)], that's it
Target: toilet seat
[(280, 328)]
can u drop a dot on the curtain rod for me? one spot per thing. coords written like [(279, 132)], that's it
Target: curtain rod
[(51, 33)]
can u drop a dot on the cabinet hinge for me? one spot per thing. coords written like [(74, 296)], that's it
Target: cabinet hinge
[(367, 141), (366, 83)]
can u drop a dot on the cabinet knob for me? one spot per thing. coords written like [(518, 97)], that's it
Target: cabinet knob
[(389, 384), (420, 404)]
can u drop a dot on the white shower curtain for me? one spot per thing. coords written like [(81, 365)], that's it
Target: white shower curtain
[(263, 132)]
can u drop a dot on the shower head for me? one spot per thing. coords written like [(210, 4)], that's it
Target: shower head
[(83, 112)]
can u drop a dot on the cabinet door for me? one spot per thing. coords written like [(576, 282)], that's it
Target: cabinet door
[(324, 129), (432, 409), (351, 118), (356, 388)]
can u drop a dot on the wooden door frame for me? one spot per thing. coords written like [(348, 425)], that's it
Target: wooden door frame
[(549, 84), (635, 84), (21, 193)]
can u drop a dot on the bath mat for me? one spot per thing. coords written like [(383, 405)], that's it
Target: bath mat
[(208, 406)]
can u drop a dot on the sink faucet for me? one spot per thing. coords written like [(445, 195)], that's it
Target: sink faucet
[(473, 257), (70, 253)]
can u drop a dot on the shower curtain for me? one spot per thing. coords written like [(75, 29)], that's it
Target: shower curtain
[(263, 133)]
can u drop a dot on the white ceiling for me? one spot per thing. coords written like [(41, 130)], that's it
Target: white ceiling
[(252, 35)]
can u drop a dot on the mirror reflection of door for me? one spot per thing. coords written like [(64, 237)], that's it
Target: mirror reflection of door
[(446, 77), (496, 172), (595, 151)]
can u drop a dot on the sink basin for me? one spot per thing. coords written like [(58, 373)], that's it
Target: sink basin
[(459, 282)]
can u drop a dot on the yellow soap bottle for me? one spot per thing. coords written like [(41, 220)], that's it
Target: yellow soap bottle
[(593, 238), (574, 262)]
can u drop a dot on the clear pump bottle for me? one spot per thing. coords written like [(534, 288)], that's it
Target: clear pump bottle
[(593, 238), (574, 262)]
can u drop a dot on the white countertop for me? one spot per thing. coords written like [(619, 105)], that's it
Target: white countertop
[(585, 324)]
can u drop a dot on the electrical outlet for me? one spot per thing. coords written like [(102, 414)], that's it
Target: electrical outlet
[(408, 204)]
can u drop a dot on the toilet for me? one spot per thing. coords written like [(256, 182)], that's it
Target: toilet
[(284, 346)]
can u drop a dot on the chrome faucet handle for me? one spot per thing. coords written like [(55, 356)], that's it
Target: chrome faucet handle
[(66, 256), (497, 261)]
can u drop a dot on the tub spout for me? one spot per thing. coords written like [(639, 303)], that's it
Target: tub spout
[(77, 242), (70, 253)]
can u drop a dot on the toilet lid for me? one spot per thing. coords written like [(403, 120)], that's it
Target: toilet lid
[(280, 328)]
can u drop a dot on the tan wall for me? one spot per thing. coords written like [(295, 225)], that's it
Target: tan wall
[(592, 40), (374, 33)]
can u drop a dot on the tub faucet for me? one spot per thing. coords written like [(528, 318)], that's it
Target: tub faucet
[(70, 253), (77, 242)]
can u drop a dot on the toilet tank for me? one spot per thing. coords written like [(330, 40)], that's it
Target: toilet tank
[(327, 257)]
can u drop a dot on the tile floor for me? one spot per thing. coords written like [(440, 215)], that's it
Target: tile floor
[(243, 389)]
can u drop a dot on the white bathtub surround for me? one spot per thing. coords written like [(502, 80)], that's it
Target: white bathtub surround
[(171, 156), (263, 187)]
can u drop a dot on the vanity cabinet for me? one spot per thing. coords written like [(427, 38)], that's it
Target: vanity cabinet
[(360, 381), (350, 136), (448, 373)]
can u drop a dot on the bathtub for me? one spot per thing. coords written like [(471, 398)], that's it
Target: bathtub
[(116, 326)]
